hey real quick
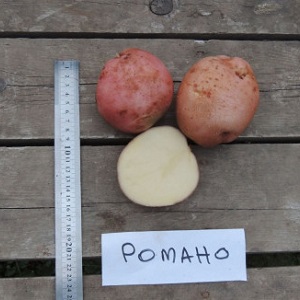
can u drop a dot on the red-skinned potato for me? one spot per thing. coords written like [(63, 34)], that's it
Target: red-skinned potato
[(217, 100), (134, 90)]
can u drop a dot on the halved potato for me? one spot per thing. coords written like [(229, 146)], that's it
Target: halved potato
[(157, 168)]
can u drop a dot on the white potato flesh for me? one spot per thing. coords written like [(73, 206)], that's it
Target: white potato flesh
[(158, 168)]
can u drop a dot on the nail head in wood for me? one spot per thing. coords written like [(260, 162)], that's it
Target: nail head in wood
[(161, 7)]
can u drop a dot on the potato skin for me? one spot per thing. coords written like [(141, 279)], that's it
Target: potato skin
[(134, 90), (217, 100)]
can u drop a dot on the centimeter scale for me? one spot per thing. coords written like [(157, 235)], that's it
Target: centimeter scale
[(68, 240)]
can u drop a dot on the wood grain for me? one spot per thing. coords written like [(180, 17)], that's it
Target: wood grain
[(27, 101), (272, 283), (251, 186), (188, 16), (29, 233), (233, 177), (255, 187)]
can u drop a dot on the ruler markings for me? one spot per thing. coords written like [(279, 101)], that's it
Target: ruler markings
[(67, 182)]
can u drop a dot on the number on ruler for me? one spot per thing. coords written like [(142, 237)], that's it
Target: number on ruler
[(69, 268)]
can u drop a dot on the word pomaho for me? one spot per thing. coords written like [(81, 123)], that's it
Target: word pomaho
[(182, 255)]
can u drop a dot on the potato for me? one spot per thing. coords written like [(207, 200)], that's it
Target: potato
[(157, 168), (134, 90), (217, 100)]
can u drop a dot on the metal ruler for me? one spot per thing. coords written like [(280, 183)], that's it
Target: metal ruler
[(68, 240)]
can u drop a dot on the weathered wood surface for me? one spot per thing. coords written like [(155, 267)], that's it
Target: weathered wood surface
[(29, 233), (188, 16), (235, 177), (26, 76), (251, 186), (272, 283), (255, 187)]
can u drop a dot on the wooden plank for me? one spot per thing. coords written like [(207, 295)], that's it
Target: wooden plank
[(270, 283), (27, 101), (255, 187), (273, 61), (188, 16), (29, 233), (233, 177)]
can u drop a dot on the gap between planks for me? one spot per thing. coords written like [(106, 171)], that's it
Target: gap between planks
[(19, 143), (93, 265), (179, 36)]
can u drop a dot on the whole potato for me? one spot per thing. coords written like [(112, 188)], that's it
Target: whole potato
[(217, 100), (134, 90)]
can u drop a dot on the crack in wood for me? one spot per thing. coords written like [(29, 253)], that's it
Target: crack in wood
[(2, 85)]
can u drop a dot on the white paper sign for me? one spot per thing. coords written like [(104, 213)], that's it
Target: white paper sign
[(184, 256)]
